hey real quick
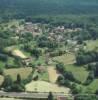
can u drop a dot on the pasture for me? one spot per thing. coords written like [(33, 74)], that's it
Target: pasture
[(13, 72), (68, 58), (79, 72)]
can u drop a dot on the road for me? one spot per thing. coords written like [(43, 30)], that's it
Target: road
[(30, 95)]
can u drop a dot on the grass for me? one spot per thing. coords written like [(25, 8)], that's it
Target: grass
[(93, 86), (42, 86), (10, 61), (79, 73), (66, 59), (53, 75), (40, 60), (5, 98), (92, 44), (2, 64), (44, 76), (1, 80), (24, 72)]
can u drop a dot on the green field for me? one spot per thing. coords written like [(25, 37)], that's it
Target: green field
[(1, 80), (42, 86), (66, 59), (92, 44), (24, 72), (2, 64), (79, 72)]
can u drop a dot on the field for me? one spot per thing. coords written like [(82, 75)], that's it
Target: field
[(53, 75), (18, 53), (66, 59), (42, 86), (2, 64), (24, 72), (92, 44), (10, 99), (93, 86), (1, 80), (79, 72)]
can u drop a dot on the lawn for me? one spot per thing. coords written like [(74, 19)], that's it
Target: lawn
[(66, 59), (24, 72), (79, 72)]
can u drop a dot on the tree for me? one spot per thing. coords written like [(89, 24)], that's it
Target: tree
[(7, 83), (18, 79), (96, 70), (1, 71), (50, 96), (96, 92), (36, 52), (60, 67)]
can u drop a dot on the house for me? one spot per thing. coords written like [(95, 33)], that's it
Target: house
[(33, 28), (61, 98), (59, 29)]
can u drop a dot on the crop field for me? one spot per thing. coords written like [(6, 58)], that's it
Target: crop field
[(42, 86), (79, 73), (24, 72), (53, 75), (66, 59)]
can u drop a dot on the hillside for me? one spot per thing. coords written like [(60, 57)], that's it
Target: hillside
[(33, 7)]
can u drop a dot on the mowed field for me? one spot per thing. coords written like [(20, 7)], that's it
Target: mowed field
[(53, 75), (13, 72), (68, 58), (79, 72), (42, 86)]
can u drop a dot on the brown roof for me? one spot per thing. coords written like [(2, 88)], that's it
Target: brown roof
[(61, 98)]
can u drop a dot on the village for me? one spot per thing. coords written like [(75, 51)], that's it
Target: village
[(37, 52)]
